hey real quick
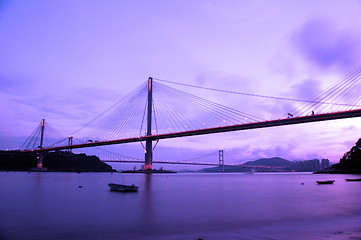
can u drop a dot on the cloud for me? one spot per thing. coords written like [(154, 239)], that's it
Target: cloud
[(324, 45), (18, 85), (349, 143), (350, 128), (75, 103), (284, 151), (306, 89), (254, 151), (26, 102)]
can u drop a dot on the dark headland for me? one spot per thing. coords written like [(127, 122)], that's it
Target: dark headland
[(349, 163), (54, 162)]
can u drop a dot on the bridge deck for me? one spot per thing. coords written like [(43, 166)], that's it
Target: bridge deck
[(264, 124)]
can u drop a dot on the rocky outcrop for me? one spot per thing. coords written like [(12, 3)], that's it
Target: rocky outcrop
[(351, 161)]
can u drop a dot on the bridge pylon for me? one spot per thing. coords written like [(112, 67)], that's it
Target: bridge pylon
[(148, 142), (70, 142), (221, 160), (41, 154)]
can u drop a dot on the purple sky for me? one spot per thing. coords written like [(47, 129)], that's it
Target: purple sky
[(67, 61)]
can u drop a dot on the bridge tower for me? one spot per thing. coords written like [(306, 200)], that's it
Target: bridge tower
[(42, 133), (70, 142), (221, 160), (41, 156), (148, 142)]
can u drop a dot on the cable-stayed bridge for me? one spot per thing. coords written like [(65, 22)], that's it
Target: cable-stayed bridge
[(156, 111)]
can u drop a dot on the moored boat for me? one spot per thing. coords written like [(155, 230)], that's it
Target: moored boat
[(122, 188), (353, 179), (326, 182)]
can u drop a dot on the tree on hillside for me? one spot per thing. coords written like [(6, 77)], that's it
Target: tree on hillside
[(351, 160)]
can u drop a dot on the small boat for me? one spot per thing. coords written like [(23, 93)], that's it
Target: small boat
[(353, 179), (122, 188), (326, 182), (250, 172)]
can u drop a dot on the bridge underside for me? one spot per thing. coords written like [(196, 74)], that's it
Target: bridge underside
[(264, 124)]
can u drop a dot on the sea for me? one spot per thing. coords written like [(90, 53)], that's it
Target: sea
[(52, 205)]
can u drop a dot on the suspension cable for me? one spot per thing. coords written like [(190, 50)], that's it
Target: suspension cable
[(251, 94)]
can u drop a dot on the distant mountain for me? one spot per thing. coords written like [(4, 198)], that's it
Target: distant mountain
[(275, 164), (270, 162)]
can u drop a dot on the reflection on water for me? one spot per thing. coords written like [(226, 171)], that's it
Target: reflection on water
[(147, 214), (175, 206)]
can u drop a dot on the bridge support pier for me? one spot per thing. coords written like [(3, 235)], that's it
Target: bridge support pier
[(40, 157), (148, 155)]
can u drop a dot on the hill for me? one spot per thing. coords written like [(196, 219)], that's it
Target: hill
[(350, 161), (275, 164), (270, 162), (53, 161)]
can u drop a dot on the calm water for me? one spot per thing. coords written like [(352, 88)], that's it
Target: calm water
[(177, 206)]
